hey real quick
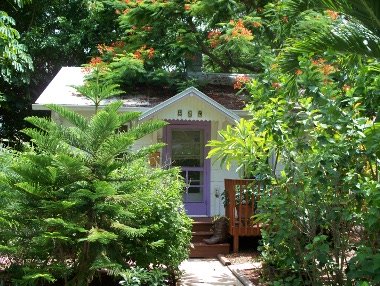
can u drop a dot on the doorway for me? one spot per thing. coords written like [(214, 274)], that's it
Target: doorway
[(186, 149)]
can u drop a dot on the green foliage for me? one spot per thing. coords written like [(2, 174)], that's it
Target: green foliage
[(319, 129), (83, 200), (96, 88), (315, 110), (240, 145), (354, 29), (139, 276), (169, 36), (65, 36), (14, 59)]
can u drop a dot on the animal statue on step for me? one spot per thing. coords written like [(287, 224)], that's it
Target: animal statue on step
[(220, 228)]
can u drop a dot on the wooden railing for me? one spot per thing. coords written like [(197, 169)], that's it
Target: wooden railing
[(241, 197)]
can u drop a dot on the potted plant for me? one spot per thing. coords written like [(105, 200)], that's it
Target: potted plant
[(245, 147), (242, 145)]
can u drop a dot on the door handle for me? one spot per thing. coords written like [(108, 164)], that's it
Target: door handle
[(187, 186)]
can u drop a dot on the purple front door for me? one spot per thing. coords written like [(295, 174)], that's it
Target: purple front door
[(186, 149)]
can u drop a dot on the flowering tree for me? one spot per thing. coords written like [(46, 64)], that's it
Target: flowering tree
[(168, 36)]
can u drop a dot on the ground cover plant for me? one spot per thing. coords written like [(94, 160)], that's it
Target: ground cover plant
[(77, 201)]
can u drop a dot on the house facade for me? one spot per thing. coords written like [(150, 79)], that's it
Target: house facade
[(194, 118)]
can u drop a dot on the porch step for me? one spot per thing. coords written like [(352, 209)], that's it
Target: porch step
[(199, 236), (201, 249), (202, 229), (202, 226)]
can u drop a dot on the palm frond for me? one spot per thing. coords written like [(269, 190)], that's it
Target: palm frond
[(346, 38), (365, 11), (293, 8)]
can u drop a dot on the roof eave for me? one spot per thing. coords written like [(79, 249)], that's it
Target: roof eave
[(37, 106), (189, 92)]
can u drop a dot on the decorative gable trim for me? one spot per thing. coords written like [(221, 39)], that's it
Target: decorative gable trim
[(191, 91)]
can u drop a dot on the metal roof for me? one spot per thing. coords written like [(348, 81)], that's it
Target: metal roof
[(61, 91)]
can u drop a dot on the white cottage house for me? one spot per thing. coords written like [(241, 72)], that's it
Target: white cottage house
[(194, 118)]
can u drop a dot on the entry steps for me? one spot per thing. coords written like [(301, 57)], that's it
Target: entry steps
[(202, 228)]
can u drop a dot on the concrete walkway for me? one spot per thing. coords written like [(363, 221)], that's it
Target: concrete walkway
[(204, 272)]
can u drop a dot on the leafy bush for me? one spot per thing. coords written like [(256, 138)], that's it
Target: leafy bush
[(322, 218)]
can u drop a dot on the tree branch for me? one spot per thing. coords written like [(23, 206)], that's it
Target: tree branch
[(205, 49)]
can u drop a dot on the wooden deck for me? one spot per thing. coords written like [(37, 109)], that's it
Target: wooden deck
[(241, 204)]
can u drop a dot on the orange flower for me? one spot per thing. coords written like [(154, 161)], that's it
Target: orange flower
[(328, 69), (95, 61), (118, 44), (150, 53), (103, 48), (214, 38), (143, 53), (298, 72), (240, 80), (318, 62), (187, 7), (137, 55), (332, 14), (240, 31)]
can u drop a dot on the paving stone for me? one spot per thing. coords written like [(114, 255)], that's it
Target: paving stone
[(206, 272)]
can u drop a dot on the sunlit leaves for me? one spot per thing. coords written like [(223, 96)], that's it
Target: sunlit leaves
[(14, 59)]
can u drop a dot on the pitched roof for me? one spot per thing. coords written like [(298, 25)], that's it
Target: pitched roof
[(191, 91), (61, 91)]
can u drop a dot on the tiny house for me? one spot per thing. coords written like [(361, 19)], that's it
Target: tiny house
[(194, 118)]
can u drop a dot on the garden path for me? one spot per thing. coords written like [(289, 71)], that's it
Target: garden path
[(206, 272)]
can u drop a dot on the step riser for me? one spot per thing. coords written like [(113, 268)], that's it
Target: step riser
[(201, 226), (209, 251), (199, 238)]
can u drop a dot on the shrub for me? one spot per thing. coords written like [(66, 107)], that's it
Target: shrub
[(85, 202)]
